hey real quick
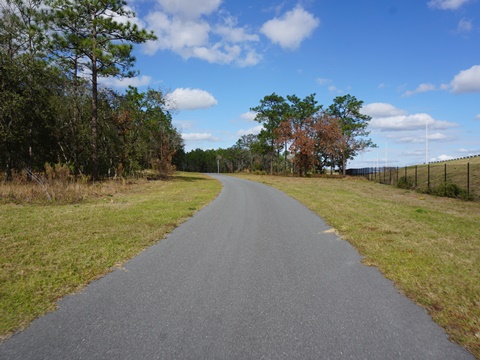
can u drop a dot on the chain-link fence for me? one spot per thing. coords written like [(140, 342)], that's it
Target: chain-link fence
[(458, 179)]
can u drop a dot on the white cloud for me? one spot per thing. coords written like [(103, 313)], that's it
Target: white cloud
[(437, 137), (126, 82), (192, 36), (381, 110), (175, 34), (418, 140), (464, 26), (291, 29), (183, 124), (190, 99), (467, 81), (126, 19), (249, 115), (477, 117), (250, 59), (410, 140), (386, 117), (200, 137), (442, 158), (420, 89), (254, 130), (229, 31), (447, 4), (401, 122)]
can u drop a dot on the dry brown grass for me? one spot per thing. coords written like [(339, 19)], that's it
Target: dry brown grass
[(58, 186)]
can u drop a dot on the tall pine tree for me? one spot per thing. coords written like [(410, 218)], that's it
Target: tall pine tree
[(94, 37)]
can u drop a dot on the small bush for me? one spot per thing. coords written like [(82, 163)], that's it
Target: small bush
[(406, 183), (449, 190)]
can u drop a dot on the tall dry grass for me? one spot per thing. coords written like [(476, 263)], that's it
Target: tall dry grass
[(57, 185)]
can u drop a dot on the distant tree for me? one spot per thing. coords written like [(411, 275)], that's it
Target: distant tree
[(270, 113), (353, 125), (302, 130), (328, 137)]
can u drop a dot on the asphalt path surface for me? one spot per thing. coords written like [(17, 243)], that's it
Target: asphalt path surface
[(254, 275)]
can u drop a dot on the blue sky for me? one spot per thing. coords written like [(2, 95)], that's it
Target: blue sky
[(414, 63)]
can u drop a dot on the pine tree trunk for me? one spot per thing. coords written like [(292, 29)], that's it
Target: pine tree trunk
[(94, 120)]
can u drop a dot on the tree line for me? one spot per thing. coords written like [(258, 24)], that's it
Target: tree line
[(52, 108), (298, 136)]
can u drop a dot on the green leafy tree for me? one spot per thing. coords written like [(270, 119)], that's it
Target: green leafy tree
[(92, 35), (270, 113), (353, 126), (28, 87)]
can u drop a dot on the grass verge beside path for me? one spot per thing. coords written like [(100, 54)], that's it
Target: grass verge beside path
[(429, 246), (50, 251)]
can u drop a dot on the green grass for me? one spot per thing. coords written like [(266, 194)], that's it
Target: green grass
[(53, 250), (450, 172), (429, 246)]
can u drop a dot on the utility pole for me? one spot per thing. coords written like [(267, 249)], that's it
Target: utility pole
[(218, 163), (426, 141)]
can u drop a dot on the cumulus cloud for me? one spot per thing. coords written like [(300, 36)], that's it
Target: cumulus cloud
[(291, 29), (190, 99), (442, 158), (200, 137), (386, 117), (176, 34), (230, 31), (249, 115), (381, 110), (420, 89), (183, 124), (126, 82), (180, 27), (447, 4), (254, 130), (126, 19), (467, 81), (402, 122)]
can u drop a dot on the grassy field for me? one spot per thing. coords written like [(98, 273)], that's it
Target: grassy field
[(49, 251), (429, 246)]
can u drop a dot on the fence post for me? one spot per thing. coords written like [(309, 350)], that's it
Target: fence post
[(468, 179), (445, 180), (428, 178), (416, 176)]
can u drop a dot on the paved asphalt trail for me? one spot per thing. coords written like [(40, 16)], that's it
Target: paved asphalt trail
[(254, 275)]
